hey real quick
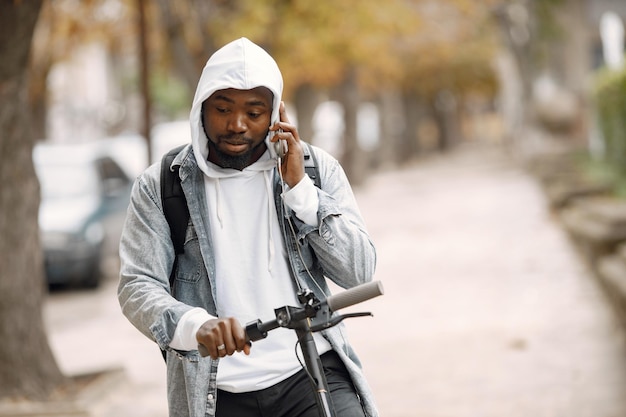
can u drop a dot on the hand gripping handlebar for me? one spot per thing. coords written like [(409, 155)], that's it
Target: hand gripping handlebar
[(320, 311), (313, 316)]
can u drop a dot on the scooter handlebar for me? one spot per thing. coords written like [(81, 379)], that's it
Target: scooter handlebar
[(355, 295), (257, 330)]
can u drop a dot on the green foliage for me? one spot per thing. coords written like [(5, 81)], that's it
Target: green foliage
[(171, 96), (599, 172), (547, 29), (610, 102), (457, 56), (419, 45), (319, 43)]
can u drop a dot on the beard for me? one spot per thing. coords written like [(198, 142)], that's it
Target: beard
[(239, 161)]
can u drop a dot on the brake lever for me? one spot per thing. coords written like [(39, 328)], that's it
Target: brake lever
[(336, 320)]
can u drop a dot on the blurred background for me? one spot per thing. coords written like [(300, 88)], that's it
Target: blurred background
[(376, 86), (383, 86), (423, 75), (427, 74)]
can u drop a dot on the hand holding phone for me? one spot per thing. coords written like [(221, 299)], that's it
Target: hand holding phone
[(280, 146), (288, 149)]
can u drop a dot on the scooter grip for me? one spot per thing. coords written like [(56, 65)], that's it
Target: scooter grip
[(355, 295)]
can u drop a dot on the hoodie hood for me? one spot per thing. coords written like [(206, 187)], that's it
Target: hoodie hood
[(242, 65)]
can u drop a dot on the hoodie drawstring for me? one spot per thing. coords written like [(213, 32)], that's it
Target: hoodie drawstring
[(270, 208), (218, 202)]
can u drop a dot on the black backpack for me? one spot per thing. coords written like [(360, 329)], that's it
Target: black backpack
[(175, 204)]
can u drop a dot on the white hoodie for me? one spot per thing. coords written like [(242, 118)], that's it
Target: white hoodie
[(252, 271)]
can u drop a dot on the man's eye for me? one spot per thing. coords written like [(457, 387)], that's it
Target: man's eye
[(254, 115), (221, 110)]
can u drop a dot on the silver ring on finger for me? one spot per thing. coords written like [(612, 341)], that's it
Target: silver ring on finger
[(221, 347)]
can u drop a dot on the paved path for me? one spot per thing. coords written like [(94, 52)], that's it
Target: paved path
[(488, 312)]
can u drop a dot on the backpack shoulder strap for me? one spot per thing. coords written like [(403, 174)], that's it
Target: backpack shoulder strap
[(310, 165), (174, 203)]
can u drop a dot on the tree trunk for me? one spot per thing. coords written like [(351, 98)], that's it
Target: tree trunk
[(183, 61), (413, 110), (27, 366), (38, 98), (445, 115), (517, 36), (306, 99), (353, 157), (393, 126), (144, 79), (39, 67)]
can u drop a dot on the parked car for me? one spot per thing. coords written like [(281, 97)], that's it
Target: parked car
[(84, 197)]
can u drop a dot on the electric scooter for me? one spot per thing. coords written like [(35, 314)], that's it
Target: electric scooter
[(313, 316)]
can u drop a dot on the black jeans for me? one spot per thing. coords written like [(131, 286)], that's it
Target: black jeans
[(294, 396)]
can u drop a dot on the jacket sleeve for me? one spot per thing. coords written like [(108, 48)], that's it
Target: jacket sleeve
[(340, 242), (147, 256)]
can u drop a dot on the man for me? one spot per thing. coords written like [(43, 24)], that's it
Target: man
[(242, 259)]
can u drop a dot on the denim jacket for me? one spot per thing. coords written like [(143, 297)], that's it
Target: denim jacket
[(339, 249)]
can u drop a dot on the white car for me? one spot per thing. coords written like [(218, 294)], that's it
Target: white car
[(84, 197)]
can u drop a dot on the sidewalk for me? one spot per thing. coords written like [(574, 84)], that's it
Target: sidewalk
[(488, 312)]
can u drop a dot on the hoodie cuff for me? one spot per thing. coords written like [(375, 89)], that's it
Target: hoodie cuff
[(187, 327), (303, 200)]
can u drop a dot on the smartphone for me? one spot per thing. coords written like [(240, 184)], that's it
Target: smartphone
[(280, 146)]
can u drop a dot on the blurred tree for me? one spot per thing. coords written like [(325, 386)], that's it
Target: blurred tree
[(63, 28), (447, 59), (317, 45), (529, 29), (417, 54), (426, 48), (27, 365), (144, 76), (185, 32), (345, 48)]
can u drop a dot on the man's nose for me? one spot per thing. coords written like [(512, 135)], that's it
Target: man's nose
[(237, 123)]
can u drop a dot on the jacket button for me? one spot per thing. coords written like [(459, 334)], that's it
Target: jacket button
[(209, 397)]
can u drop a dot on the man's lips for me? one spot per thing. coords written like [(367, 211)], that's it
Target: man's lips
[(235, 145)]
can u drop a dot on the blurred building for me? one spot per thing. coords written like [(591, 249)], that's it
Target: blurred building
[(84, 96), (87, 101), (551, 84)]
